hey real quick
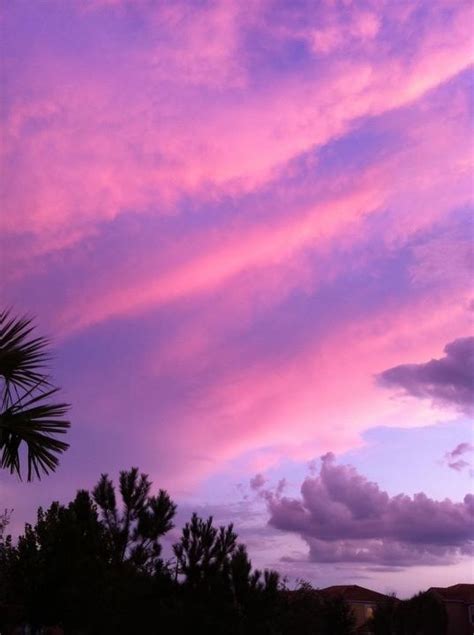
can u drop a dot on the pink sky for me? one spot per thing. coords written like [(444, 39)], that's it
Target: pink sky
[(234, 219)]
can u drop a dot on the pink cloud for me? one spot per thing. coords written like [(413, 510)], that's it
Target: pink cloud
[(319, 399), (257, 247), (342, 211), (202, 43), (362, 26), (346, 518), (154, 149)]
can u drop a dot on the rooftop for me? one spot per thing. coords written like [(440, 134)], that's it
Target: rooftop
[(456, 593), (354, 593)]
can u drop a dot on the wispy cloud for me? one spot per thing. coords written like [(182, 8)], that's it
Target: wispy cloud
[(454, 460)]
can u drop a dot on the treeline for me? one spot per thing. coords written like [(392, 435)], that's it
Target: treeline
[(423, 614), (95, 566)]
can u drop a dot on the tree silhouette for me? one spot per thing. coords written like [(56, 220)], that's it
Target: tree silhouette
[(384, 619), (244, 582), (95, 566), (203, 551), (4, 520), (64, 551), (92, 564), (135, 530), (338, 617), (221, 592), (27, 416), (423, 614), (303, 611)]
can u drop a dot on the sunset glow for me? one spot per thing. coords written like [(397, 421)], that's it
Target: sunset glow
[(247, 229)]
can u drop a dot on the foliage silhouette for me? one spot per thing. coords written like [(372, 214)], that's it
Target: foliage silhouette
[(423, 614), (4, 520), (384, 620), (27, 416), (135, 530), (203, 552), (303, 611), (338, 617), (96, 566), (90, 565)]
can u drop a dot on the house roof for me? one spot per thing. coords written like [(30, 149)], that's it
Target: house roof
[(354, 593), (455, 593)]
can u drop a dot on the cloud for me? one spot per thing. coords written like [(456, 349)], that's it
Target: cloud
[(289, 223), (218, 220), (448, 380), (460, 449), (446, 259), (343, 517), (453, 459), (361, 27), (223, 257), (78, 154), (258, 481)]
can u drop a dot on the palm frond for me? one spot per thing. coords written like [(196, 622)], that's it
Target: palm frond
[(22, 359), (34, 423), (26, 417)]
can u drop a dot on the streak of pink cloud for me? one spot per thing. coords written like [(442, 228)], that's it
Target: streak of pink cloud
[(342, 214), (320, 399), (217, 144)]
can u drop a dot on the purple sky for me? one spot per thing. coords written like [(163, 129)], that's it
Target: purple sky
[(248, 228)]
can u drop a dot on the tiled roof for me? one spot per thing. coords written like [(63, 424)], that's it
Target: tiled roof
[(456, 593), (354, 593)]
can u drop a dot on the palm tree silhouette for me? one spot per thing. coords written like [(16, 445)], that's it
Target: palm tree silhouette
[(26, 414)]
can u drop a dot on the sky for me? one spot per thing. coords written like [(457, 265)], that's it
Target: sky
[(247, 229)]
